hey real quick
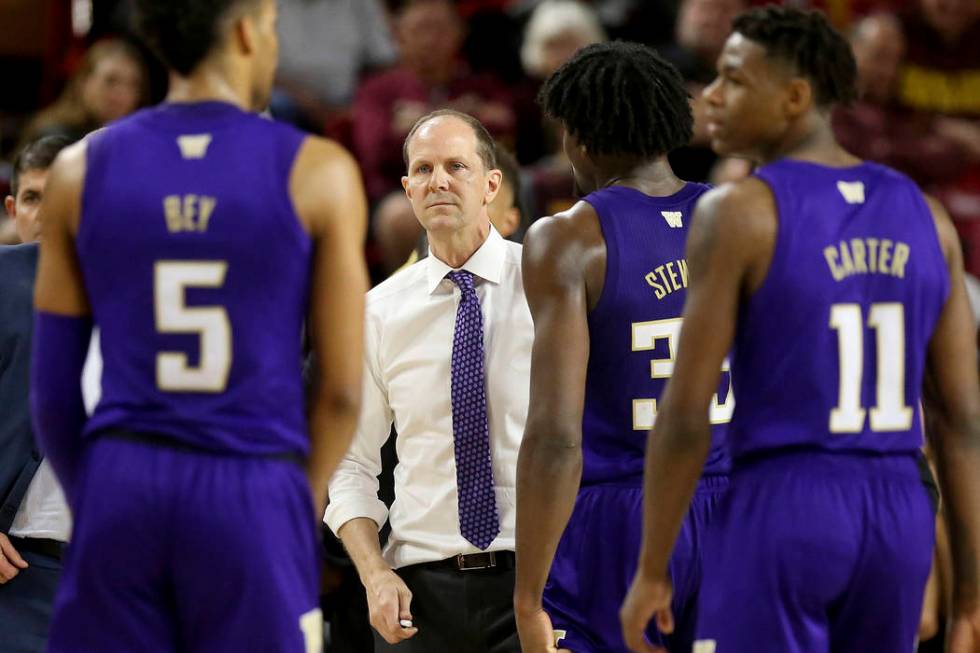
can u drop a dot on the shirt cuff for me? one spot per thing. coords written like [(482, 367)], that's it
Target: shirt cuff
[(344, 507)]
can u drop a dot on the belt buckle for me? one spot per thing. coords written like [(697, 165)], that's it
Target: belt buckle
[(462, 566)]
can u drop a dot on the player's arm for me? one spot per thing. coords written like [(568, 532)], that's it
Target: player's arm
[(328, 195), (726, 235), (549, 466), (952, 393), (62, 322)]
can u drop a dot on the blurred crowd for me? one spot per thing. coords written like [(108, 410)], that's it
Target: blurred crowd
[(362, 71)]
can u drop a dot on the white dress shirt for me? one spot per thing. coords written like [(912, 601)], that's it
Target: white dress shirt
[(410, 320), (43, 512)]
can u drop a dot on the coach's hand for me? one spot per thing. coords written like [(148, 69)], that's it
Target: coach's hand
[(536, 632), (10, 561), (389, 601), (964, 632), (648, 597)]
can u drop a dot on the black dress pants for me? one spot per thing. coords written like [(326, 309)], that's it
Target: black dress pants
[(458, 611)]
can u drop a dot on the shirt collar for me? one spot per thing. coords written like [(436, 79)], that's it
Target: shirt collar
[(487, 262)]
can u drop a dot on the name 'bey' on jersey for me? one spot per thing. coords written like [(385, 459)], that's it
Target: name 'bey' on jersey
[(201, 337)]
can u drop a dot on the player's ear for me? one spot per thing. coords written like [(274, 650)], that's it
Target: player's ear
[(243, 32), (10, 205), (799, 96)]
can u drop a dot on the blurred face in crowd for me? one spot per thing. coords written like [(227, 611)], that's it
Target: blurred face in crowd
[(703, 25), (447, 182), (559, 48), (23, 208), (504, 215), (951, 17), (429, 34), (879, 47), (112, 89)]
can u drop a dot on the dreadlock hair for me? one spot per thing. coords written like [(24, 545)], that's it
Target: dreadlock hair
[(807, 41), (39, 154), (620, 98), (183, 32)]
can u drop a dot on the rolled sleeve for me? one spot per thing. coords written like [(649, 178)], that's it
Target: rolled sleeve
[(353, 490)]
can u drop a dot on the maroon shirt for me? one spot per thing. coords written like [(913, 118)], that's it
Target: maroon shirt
[(386, 105)]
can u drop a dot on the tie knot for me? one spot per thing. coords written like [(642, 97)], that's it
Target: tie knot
[(464, 280)]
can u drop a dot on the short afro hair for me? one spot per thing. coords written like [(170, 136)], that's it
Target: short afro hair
[(183, 32), (806, 41), (37, 155), (620, 98)]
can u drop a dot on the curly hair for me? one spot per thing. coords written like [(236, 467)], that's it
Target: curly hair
[(620, 98), (183, 32), (807, 41)]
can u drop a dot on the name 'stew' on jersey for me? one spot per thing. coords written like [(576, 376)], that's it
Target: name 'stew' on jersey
[(194, 146), (852, 191), (675, 219), (667, 278), (188, 213)]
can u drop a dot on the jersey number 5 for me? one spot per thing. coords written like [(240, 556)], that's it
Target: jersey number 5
[(645, 337), (209, 323)]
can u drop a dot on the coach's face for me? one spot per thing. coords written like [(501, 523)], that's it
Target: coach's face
[(751, 103), (23, 208), (447, 181)]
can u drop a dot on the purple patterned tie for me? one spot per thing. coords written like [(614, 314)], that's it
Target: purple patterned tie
[(478, 519)]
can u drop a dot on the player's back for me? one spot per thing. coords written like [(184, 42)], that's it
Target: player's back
[(197, 270), (633, 331), (830, 350)]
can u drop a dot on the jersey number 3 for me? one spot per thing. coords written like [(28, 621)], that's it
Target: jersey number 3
[(209, 323), (644, 338)]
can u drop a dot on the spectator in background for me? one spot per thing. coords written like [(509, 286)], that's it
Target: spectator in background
[(941, 78), (556, 30), (111, 83), (875, 127), (942, 68), (325, 45), (700, 33), (430, 75)]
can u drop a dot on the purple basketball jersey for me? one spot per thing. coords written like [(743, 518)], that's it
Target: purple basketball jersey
[(633, 331), (829, 352), (197, 270)]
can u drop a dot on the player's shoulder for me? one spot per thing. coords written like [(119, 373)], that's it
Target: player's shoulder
[(741, 200), (562, 229), (317, 153)]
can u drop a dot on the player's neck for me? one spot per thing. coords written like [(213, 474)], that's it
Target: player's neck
[(812, 140), (208, 84), (454, 248), (655, 178)]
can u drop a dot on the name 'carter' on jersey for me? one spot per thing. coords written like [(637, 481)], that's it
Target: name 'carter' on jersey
[(197, 270), (830, 350), (633, 331)]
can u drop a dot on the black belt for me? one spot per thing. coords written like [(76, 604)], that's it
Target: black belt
[(41, 546), (473, 561)]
